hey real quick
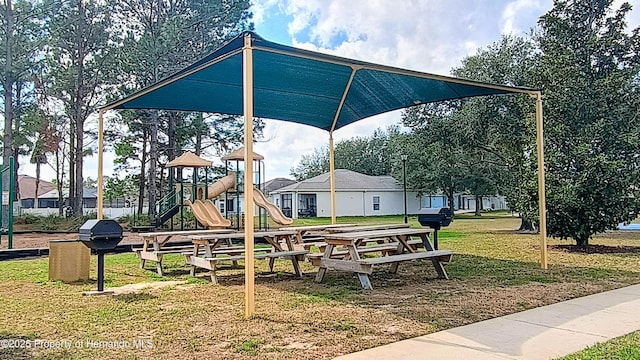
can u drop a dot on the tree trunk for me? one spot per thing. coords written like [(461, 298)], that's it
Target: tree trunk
[(153, 162), (79, 118), (526, 226), (478, 205), (582, 241), (35, 200), (143, 169), (59, 177), (72, 164), (450, 199)]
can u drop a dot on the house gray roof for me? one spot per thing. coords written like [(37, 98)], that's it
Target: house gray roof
[(345, 180), (277, 183), (53, 194)]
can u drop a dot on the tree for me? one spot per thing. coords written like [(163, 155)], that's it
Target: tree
[(22, 35), (435, 150), (502, 128), (366, 155), (311, 165), (79, 63), (160, 37), (589, 72)]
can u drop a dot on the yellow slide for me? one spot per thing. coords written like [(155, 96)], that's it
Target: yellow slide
[(205, 211), (222, 185), (207, 214), (274, 211)]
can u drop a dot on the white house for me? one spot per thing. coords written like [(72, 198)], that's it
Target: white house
[(356, 195)]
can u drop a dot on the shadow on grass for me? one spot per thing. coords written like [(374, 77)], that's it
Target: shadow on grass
[(134, 297), (416, 284)]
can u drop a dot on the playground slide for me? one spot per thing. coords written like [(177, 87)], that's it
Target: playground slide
[(214, 213), (226, 183), (202, 214), (274, 211)]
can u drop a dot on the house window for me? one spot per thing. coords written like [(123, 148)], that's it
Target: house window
[(221, 204), (230, 205), (287, 202), (376, 203)]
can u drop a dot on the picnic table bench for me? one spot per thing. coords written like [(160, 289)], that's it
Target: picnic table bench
[(301, 231), (358, 228), (321, 244), (383, 248), (353, 242), (156, 244), (209, 250)]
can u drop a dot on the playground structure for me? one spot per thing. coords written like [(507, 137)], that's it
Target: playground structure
[(199, 198)]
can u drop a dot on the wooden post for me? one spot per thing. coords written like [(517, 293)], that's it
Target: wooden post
[(100, 165), (332, 177), (249, 281), (541, 184)]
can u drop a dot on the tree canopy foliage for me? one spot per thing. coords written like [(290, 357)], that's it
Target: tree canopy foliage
[(589, 72), (63, 59)]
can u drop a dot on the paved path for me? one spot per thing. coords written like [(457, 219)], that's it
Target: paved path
[(543, 333)]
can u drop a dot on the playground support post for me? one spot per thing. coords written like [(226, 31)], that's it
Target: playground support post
[(10, 199)]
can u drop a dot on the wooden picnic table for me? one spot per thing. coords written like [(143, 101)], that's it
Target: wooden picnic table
[(155, 245), (358, 228), (207, 248), (363, 267), (301, 231)]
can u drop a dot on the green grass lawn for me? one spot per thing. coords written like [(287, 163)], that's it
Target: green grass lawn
[(495, 271), (623, 348)]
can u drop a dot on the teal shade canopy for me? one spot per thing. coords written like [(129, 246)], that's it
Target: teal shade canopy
[(300, 86)]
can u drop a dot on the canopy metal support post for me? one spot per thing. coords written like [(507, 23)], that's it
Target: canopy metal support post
[(541, 184), (332, 178), (247, 88), (332, 172), (100, 165)]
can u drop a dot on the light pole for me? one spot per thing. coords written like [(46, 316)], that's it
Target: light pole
[(404, 185)]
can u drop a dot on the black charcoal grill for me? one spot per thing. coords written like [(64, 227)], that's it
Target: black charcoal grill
[(435, 218), (101, 236)]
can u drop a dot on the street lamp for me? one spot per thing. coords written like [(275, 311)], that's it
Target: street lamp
[(404, 185)]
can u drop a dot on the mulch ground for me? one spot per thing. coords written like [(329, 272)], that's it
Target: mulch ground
[(596, 249)]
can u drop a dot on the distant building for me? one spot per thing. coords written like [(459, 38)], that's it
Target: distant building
[(356, 195), (275, 184), (50, 199), (27, 186)]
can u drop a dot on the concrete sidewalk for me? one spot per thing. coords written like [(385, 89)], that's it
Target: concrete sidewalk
[(543, 333)]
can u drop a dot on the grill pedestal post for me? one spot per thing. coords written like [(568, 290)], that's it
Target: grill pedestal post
[(435, 239), (101, 236), (101, 271)]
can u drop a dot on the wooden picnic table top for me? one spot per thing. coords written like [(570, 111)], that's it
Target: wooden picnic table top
[(315, 227), (238, 235), (359, 228), (376, 234), (185, 232)]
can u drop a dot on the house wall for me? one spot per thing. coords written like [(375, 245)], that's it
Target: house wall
[(108, 213), (360, 203)]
